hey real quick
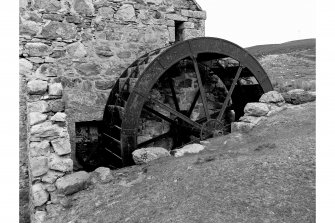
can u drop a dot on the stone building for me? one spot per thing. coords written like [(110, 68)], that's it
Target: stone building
[(71, 54)]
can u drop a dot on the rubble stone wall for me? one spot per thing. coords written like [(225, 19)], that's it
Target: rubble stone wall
[(71, 53)]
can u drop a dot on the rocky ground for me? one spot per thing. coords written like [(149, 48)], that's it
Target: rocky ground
[(267, 175), (289, 65)]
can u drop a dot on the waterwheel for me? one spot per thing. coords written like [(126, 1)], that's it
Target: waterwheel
[(177, 95)]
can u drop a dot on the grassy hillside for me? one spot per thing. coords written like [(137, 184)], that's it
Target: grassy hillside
[(289, 65), (287, 47)]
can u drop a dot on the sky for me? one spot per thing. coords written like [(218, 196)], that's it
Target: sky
[(255, 22)]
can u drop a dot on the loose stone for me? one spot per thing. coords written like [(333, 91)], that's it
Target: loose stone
[(73, 183), (191, 149), (256, 109), (146, 155), (271, 97)]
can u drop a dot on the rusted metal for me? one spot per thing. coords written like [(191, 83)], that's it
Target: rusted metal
[(205, 54)]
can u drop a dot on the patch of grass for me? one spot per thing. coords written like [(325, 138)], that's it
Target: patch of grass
[(201, 160), (294, 70), (283, 86), (265, 146)]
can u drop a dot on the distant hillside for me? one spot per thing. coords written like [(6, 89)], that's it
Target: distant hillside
[(288, 47), (289, 65)]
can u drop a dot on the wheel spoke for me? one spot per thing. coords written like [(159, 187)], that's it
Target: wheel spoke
[(153, 140), (189, 113), (227, 99), (171, 110), (113, 154), (174, 96), (158, 114), (201, 88)]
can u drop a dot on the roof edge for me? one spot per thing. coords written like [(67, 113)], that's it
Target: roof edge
[(198, 6)]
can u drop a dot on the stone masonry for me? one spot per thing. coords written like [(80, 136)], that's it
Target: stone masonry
[(71, 54)]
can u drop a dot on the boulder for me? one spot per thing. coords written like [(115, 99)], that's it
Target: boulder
[(39, 166), (77, 50), (88, 69), (63, 164), (106, 12), (103, 172), (83, 7), (25, 67), (73, 183), (37, 87), (59, 117), (274, 109), (39, 216), (51, 176), (29, 28), (38, 106), (39, 148), (48, 5), (40, 196), (48, 70), (56, 105), (126, 12), (61, 146), (45, 129), (192, 149), (298, 96), (243, 127), (55, 89), (64, 30), (256, 109), (272, 97), (251, 119), (36, 118), (38, 49), (104, 51), (145, 155)]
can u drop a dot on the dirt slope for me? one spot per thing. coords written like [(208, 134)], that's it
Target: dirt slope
[(265, 176)]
